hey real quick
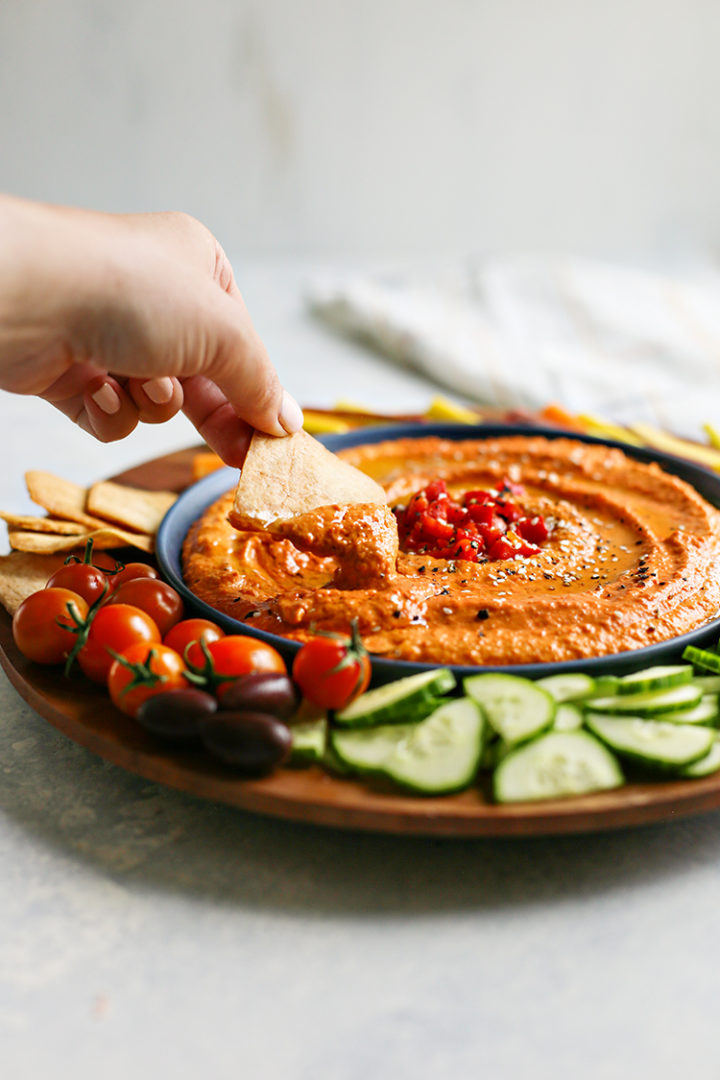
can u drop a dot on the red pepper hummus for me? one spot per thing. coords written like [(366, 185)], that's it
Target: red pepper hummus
[(632, 558)]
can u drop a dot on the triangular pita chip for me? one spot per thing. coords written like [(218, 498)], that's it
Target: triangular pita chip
[(131, 507), (61, 498), (22, 574), (106, 537), (285, 477), (28, 523)]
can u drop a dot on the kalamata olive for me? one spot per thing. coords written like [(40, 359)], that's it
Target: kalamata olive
[(252, 741), (177, 714), (262, 692)]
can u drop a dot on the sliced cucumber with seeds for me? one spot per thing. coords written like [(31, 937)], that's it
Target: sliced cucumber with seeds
[(704, 766), (567, 717), (409, 699), (554, 766), (651, 742), (655, 678), (710, 661), (438, 755), (706, 712), (686, 696), (516, 708), (308, 741), (571, 687)]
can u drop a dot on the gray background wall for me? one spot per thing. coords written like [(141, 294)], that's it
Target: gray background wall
[(377, 127)]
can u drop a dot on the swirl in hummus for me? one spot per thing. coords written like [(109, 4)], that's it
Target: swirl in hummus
[(631, 560)]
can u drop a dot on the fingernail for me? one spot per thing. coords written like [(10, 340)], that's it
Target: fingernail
[(159, 390), (291, 416), (107, 399)]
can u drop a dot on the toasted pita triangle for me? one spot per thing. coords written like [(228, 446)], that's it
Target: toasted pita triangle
[(285, 477), (61, 498), (22, 573), (130, 507), (109, 536)]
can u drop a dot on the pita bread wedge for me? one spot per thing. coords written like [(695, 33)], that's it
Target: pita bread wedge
[(61, 498), (283, 478), (106, 537), (23, 573), (28, 523), (132, 507)]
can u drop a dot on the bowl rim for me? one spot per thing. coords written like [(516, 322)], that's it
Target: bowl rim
[(192, 502)]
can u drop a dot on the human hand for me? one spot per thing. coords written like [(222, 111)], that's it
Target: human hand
[(116, 319)]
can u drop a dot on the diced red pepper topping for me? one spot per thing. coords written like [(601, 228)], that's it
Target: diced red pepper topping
[(478, 526)]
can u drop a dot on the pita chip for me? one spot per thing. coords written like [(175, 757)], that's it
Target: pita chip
[(285, 477), (61, 498), (106, 537), (28, 523), (132, 507), (23, 573)]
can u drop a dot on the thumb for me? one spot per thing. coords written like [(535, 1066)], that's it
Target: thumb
[(239, 365)]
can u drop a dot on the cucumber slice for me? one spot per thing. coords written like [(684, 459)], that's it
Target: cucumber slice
[(648, 704), (706, 712), (651, 742), (710, 661), (709, 684), (367, 749), (409, 699), (516, 708), (332, 762), (308, 741), (556, 765), (438, 755), (704, 766), (567, 717), (571, 687), (655, 678), (606, 684)]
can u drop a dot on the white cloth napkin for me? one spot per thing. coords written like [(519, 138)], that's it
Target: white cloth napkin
[(625, 344)]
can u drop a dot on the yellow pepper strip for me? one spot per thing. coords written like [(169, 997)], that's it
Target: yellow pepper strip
[(344, 405), (324, 424), (605, 429), (442, 408), (671, 444), (713, 435)]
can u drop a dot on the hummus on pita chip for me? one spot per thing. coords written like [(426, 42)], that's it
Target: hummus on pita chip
[(285, 477)]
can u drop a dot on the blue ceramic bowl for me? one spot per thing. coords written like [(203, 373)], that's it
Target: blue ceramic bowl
[(196, 499)]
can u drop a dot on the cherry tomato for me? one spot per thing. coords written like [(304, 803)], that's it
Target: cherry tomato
[(237, 654), (36, 631), (115, 626), (82, 578), (189, 631), (144, 670), (104, 561), (332, 670), (162, 603), (130, 572)]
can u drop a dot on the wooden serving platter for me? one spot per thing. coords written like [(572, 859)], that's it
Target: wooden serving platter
[(83, 712)]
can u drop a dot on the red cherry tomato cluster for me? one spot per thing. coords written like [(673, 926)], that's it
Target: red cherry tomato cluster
[(482, 525), (183, 678)]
